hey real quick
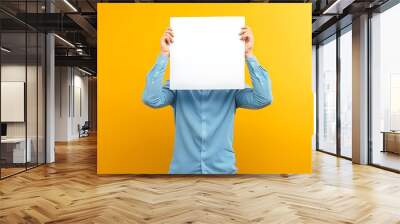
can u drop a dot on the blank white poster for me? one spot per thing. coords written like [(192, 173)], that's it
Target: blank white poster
[(207, 53)]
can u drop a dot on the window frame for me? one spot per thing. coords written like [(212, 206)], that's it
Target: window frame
[(334, 37)]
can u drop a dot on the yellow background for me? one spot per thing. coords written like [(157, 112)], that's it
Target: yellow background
[(133, 138)]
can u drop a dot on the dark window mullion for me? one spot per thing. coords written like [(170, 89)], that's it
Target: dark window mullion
[(26, 87), (338, 92), (0, 96), (369, 89), (37, 90), (317, 96)]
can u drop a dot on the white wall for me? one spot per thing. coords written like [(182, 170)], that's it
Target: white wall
[(71, 87), (80, 83), (62, 82), (83, 83)]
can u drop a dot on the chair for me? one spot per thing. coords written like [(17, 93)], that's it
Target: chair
[(84, 130)]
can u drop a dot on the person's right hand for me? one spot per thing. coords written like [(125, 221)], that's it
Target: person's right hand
[(166, 40)]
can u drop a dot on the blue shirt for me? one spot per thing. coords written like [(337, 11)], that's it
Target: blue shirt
[(204, 118)]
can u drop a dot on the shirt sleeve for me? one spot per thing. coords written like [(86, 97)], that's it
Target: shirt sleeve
[(157, 95), (261, 94)]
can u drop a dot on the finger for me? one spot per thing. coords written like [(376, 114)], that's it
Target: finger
[(170, 38), (169, 30), (170, 33), (243, 31), (244, 37), (248, 33), (244, 34), (165, 39)]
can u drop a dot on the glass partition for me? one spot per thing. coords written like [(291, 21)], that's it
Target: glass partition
[(22, 88), (14, 145)]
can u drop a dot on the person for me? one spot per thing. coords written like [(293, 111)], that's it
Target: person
[(204, 118)]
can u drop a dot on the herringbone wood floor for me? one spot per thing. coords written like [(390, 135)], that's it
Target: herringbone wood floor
[(69, 191)]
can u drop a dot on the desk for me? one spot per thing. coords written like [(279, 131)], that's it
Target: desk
[(13, 150), (391, 141)]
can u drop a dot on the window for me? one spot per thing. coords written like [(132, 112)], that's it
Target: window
[(385, 89), (346, 93), (394, 102), (327, 96)]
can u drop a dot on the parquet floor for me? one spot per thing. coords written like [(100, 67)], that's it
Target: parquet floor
[(69, 191)]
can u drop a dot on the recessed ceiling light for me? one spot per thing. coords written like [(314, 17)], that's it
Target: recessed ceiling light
[(338, 6), (5, 50), (84, 71), (70, 5), (64, 40)]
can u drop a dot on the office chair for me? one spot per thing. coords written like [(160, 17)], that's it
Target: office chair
[(84, 130)]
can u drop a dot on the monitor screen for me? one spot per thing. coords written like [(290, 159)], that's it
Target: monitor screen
[(3, 129)]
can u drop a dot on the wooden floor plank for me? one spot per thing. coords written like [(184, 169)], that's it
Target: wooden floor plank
[(70, 191)]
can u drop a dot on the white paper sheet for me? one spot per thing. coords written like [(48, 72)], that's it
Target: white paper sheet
[(207, 53)]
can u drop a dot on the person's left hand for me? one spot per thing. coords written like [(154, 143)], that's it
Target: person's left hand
[(247, 36)]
